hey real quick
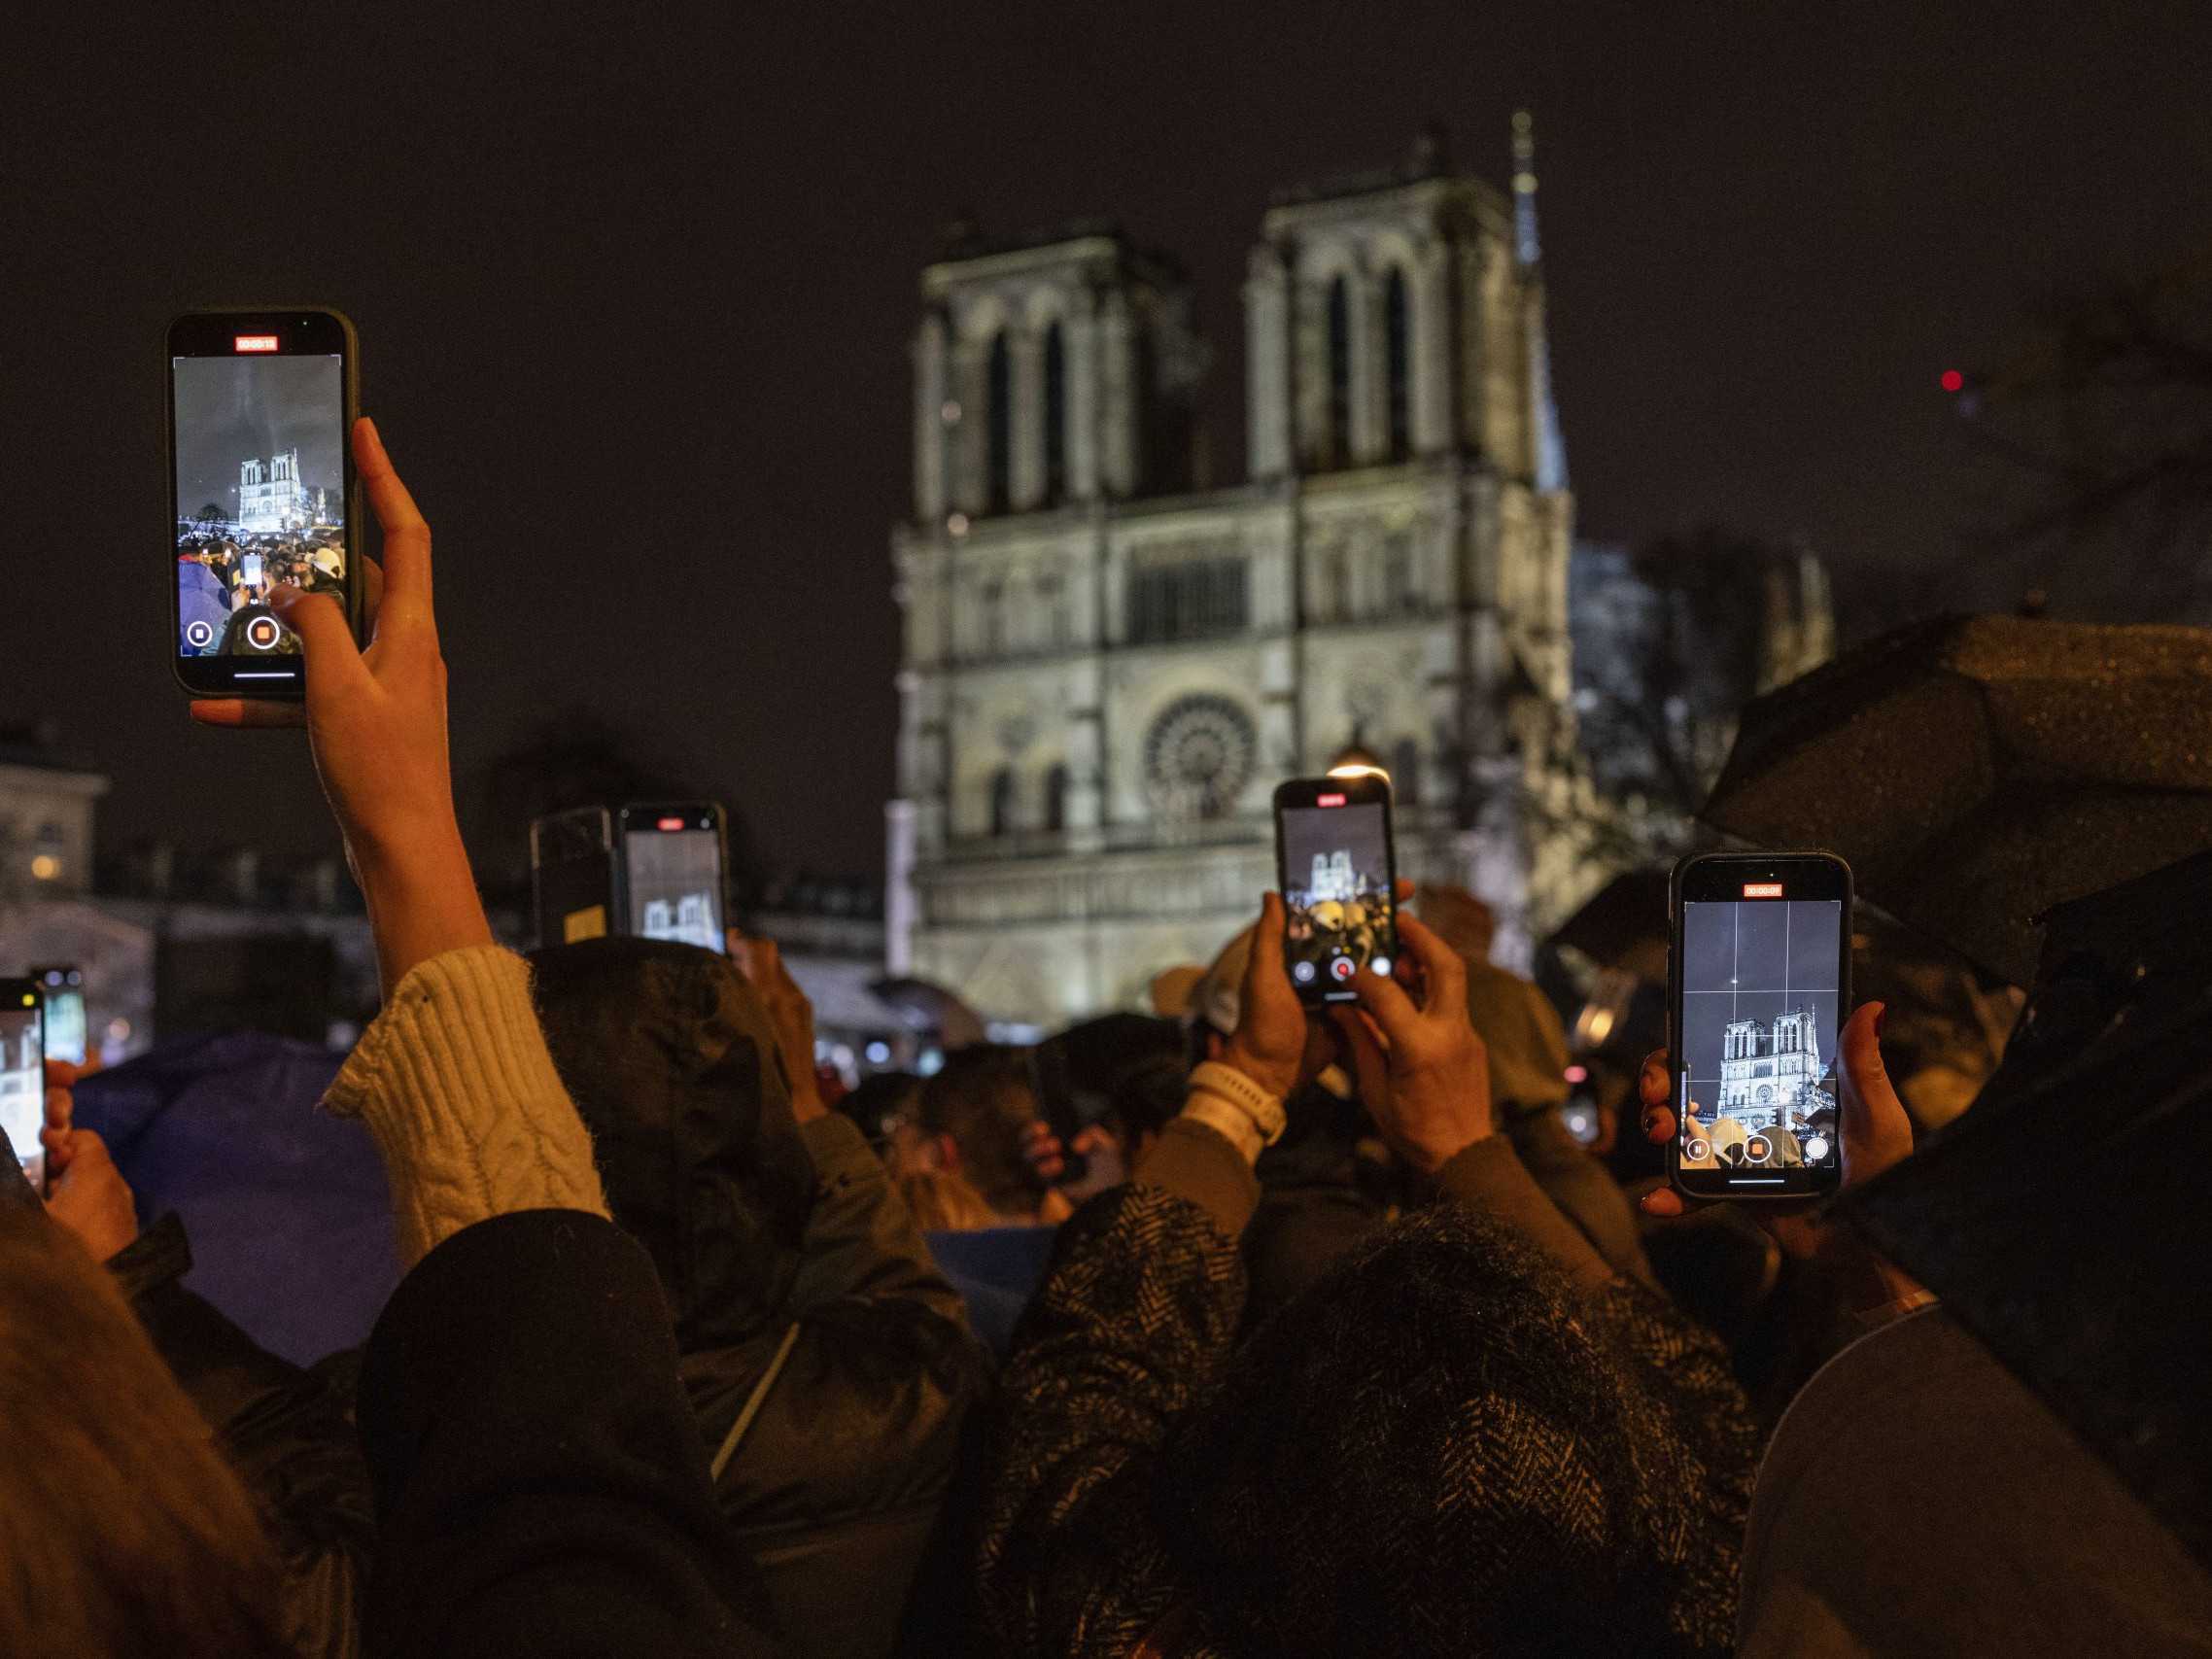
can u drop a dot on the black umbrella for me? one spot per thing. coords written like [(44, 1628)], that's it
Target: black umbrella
[(2062, 1219), (1624, 924), (1976, 770)]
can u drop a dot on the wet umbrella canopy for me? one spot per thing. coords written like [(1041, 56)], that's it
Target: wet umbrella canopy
[(1624, 924), (2062, 1219), (1976, 770)]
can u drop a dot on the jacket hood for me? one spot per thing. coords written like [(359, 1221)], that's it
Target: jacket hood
[(669, 1055)]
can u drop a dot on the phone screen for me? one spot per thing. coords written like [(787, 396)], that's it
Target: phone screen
[(673, 876), (1755, 1077), (22, 1084), (65, 1025), (260, 494), (1337, 889)]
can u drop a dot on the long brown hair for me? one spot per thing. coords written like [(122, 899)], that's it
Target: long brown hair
[(121, 1530)]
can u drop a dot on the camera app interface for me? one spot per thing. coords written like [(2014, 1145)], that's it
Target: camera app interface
[(1756, 1078), (260, 494), (23, 1086), (1336, 876), (676, 885)]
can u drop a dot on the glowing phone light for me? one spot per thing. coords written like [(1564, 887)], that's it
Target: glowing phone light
[(1328, 800), (253, 342), (1762, 889), (668, 823)]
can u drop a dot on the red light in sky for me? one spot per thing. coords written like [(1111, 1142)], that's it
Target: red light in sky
[(1954, 381), (1328, 800)]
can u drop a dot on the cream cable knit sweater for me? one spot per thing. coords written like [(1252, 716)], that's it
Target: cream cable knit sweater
[(453, 1081)]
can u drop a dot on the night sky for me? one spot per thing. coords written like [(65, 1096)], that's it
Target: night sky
[(634, 300)]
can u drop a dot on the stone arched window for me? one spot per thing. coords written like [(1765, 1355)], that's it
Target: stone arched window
[(1055, 415), (998, 424), (1397, 361), (1339, 446), (1002, 801)]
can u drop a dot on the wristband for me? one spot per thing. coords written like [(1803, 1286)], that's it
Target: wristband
[(1226, 1082)]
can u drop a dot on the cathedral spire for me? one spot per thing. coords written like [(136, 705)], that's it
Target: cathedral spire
[(1551, 447)]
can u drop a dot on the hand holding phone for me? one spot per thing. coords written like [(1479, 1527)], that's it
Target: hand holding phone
[(1423, 1074)]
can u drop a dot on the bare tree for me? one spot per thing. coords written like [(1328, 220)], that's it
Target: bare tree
[(2100, 424)]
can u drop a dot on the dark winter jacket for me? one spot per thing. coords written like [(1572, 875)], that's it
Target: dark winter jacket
[(826, 1359), (540, 1488), (1468, 1438), (289, 1432)]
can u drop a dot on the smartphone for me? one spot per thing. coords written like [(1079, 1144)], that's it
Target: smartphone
[(673, 871), (1758, 986), (22, 1074), (649, 872), (63, 989), (1339, 878), (260, 476)]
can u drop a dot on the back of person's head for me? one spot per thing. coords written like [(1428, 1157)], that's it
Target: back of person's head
[(941, 1200), (1429, 1452), (668, 1052), (876, 1100), (121, 1530), (982, 1098)]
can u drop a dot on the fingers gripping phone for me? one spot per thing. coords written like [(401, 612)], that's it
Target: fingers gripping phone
[(1337, 873), (22, 1074), (1758, 986), (261, 490)]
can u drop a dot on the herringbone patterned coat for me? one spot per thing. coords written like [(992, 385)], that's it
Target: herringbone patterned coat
[(1445, 1447)]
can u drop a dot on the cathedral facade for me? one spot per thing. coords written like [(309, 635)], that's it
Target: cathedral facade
[(271, 499), (1772, 1073), (1107, 670)]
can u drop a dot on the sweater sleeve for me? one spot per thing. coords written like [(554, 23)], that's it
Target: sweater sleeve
[(1134, 1319), (453, 1081)]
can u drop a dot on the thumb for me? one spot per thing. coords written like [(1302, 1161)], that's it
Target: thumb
[(325, 639), (1876, 1131), (1264, 965)]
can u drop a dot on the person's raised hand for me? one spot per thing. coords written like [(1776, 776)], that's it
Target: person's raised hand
[(1423, 1074), (1873, 1132), (790, 1015), (1269, 1043), (91, 1198), (376, 722)]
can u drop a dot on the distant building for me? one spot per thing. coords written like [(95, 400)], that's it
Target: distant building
[(1772, 1075), (271, 499), (46, 816), (1109, 666)]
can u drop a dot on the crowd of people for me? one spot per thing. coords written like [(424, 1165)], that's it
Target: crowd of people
[(226, 580), (1237, 1331)]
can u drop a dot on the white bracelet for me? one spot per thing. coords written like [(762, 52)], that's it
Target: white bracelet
[(1226, 1082)]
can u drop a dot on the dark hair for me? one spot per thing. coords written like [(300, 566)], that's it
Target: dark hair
[(122, 1530), (983, 1096)]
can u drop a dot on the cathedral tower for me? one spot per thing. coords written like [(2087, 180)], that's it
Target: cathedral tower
[(1108, 669)]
